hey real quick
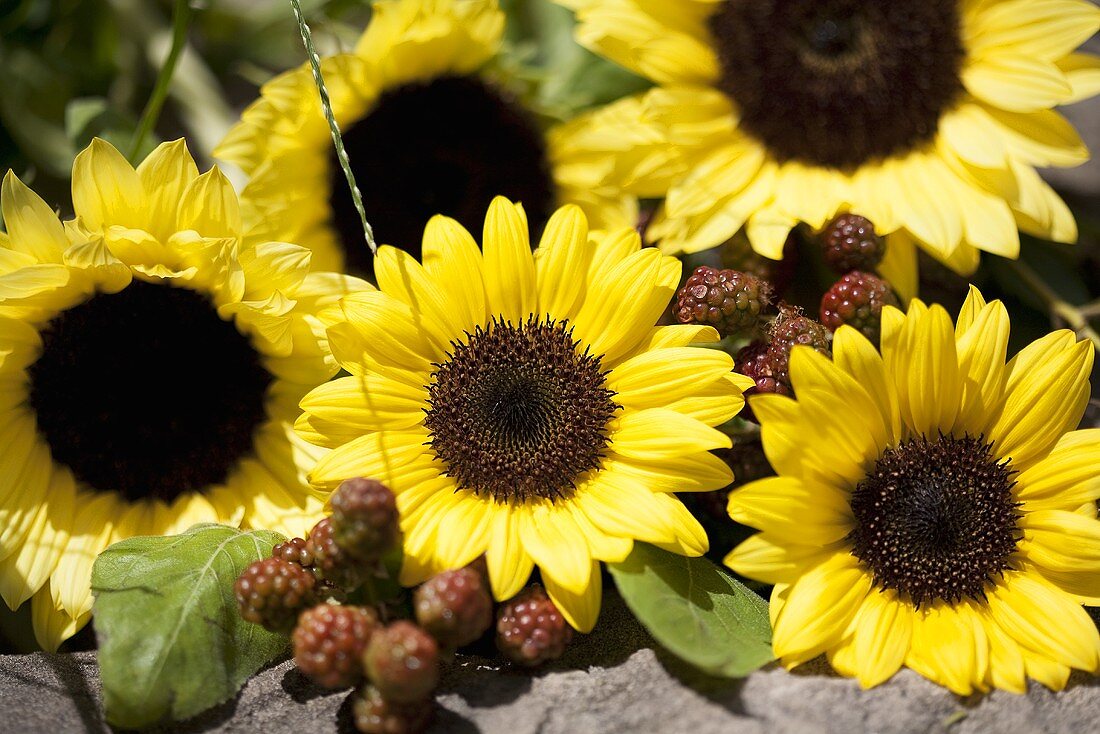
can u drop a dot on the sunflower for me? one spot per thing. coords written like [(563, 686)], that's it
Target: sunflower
[(927, 116), (431, 124), (934, 508), (151, 363), (526, 407)]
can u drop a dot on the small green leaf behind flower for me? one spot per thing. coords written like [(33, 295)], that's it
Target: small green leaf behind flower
[(696, 611), (171, 643)]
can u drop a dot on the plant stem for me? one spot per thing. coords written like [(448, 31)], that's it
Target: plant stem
[(337, 139), (1060, 309), (181, 20)]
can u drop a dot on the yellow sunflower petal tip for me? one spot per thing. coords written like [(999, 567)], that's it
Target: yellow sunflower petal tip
[(916, 547)]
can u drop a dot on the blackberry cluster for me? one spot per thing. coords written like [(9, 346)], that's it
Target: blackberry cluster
[(731, 301), (329, 642), (767, 362), (850, 243), (857, 300), (531, 630), (455, 607), (376, 714), (272, 591), (364, 517), (402, 662), (331, 562)]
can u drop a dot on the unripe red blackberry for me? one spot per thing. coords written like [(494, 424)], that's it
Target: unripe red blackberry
[(728, 300), (857, 300), (294, 550), (402, 661), (757, 361), (454, 607), (531, 630), (789, 330), (329, 642), (331, 562), (850, 243), (272, 592), (375, 714), (364, 518)]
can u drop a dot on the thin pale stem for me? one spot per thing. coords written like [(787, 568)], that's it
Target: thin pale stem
[(337, 138), (181, 20), (1062, 310)]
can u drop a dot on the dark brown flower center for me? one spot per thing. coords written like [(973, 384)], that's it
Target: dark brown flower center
[(839, 83), (147, 391), (447, 146), (936, 519), (518, 412)]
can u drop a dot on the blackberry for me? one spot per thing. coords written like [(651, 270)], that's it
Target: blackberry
[(402, 661), (376, 714), (454, 607), (789, 330), (756, 360), (857, 300), (531, 630), (850, 243), (729, 300), (364, 518), (329, 642), (294, 550), (272, 591), (330, 562)]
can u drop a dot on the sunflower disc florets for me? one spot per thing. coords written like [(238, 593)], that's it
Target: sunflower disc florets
[(729, 300), (271, 592)]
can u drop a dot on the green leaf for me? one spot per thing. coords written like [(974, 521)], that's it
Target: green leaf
[(171, 643), (696, 610)]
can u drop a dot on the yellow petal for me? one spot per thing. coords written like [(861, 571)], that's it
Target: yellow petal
[(557, 546), (1046, 394), (1066, 477), (655, 378), (509, 267), (209, 206), (509, 564), (401, 276), (773, 560), (106, 190), (884, 628), (452, 258), (1046, 621), (165, 174), (382, 455), (580, 609), (818, 608), (561, 263), (792, 510), (33, 227), (657, 433), (53, 625)]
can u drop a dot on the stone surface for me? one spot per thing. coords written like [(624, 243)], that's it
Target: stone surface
[(614, 680)]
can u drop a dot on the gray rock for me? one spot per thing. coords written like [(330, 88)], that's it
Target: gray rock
[(614, 680)]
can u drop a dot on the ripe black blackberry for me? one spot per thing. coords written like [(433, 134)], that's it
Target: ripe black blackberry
[(329, 642), (850, 243), (364, 518), (331, 563), (271, 592), (729, 300), (402, 661), (531, 630), (857, 300), (376, 714), (294, 550), (454, 607)]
